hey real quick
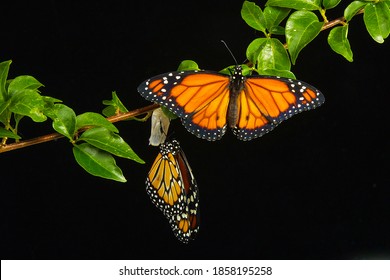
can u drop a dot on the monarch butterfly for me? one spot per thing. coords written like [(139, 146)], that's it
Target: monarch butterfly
[(207, 101), (173, 189)]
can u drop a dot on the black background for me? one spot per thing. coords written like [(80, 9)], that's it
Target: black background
[(317, 187)]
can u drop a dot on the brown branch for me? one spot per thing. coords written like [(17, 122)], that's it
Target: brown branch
[(55, 136), (332, 23), (340, 20), (134, 113)]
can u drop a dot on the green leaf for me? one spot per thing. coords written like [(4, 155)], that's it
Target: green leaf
[(254, 48), (9, 134), (50, 100), (329, 4), (277, 30), (22, 83), (377, 20), (4, 68), (168, 113), (114, 106), (339, 43), (273, 55), (253, 16), (106, 140), (187, 65), (28, 103), (273, 17), (353, 8), (246, 70), (64, 120), (301, 28), (94, 119), (97, 162), (17, 119), (276, 72), (109, 111), (4, 113), (296, 4)]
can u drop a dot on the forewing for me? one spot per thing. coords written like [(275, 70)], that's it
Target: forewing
[(164, 184), (199, 98)]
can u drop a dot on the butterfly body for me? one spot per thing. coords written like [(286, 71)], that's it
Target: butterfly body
[(236, 85), (207, 101)]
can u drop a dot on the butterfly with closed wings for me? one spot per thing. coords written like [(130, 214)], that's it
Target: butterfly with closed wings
[(173, 189)]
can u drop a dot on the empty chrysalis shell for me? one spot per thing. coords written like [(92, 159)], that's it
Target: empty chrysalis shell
[(159, 129)]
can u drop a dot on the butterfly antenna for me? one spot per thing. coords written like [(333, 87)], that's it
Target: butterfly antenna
[(229, 51)]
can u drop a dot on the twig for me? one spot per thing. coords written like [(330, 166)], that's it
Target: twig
[(55, 135), (340, 20)]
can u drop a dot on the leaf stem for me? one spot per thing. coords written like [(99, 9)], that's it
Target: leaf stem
[(55, 135)]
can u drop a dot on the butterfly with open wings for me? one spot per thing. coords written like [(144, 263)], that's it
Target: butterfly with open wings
[(208, 102)]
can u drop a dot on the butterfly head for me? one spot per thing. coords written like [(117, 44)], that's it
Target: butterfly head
[(237, 79)]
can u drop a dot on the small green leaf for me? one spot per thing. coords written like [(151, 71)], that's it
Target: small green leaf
[(309, 5), (28, 103), (273, 17), (97, 162), (168, 113), (4, 68), (187, 65), (50, 100), (17, 119), (277, 30), (253, 16), (301, 28), (339, 43), (246, 70), (353, 8), (108, 141), (276, 72), (377, 20), (21, 83), (329, 4), (8, 134), (64, 120), (114, 106), (94, 119), (273, 55), (109, 111)]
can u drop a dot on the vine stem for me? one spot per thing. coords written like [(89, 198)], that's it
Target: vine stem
[(123, 116), (55, 135)]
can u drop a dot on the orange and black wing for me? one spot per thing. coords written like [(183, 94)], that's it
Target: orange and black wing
[(199, 98), (164, 183), (266, 101), (173, 189)]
